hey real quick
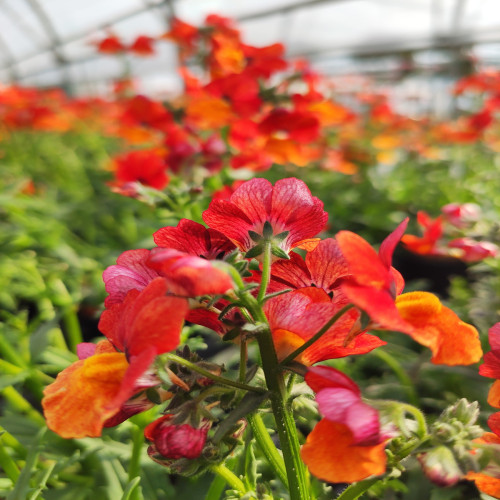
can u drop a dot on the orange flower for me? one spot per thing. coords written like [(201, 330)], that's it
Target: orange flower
[(330, 454), (451, 341), (86, 394)]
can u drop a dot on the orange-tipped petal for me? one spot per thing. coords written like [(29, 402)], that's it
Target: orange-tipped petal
[(330, 455), (451, 341), (78, 402)]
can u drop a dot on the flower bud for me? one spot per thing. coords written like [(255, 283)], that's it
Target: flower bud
[(176, 441), (440, 466)]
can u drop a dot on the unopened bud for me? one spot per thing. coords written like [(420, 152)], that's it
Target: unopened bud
[(176, 441), (440, 466)]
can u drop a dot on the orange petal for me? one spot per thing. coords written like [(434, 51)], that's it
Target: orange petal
[(285, 343), (329, 455), (451, 341), (494, 395), (78, 402)]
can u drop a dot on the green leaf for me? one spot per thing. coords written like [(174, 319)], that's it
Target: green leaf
[(22, 486)]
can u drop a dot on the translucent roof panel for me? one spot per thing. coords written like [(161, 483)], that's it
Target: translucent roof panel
[(40, 37)]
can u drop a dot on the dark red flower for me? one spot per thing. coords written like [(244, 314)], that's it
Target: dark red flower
[(175, 441)]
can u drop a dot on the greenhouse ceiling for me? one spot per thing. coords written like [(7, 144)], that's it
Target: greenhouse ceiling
[(52, 42)]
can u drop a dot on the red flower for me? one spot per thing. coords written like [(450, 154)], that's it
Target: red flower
[(428, 243), (285, 213), (175, 441), (145, 166), (296, 316), (146, 321), (130, 272), (374, 283), (194, 239), (189, 275), (300, 126), (324, 267), (143, 46), (110, 45)]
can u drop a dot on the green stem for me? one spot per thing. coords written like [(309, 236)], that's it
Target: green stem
[(419, 417), (234, 482), (316, 336), (134, 466), (285, 423), (354, 491), (215, 378), (266, 445), (266, 272)]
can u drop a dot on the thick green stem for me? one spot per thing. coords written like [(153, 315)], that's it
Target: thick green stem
[(134, 466), (285, 423), (234, 481), (317, 335), (266, 445), (210, 375), (266, 272)]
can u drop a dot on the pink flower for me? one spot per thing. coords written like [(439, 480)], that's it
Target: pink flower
[(339, 401), (472, 251), (131, 272), (189, 275)]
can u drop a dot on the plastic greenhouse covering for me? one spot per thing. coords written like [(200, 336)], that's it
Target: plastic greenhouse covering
[(52, 42)]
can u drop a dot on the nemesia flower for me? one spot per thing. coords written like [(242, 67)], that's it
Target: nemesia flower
[(437, 327), (194, 239), (143, 46), (92, 390), (324, 267), (374, 283), (297, 316), (175, 441), (346, 445), (459, 214), (288, 209), (429, 242), (110, 45), (374, 286), (189, 275), (146, 321), (145, 166), (130, 272), (473, 251)]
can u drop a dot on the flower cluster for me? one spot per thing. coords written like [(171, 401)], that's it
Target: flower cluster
[(443, 235), (242, 278)]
